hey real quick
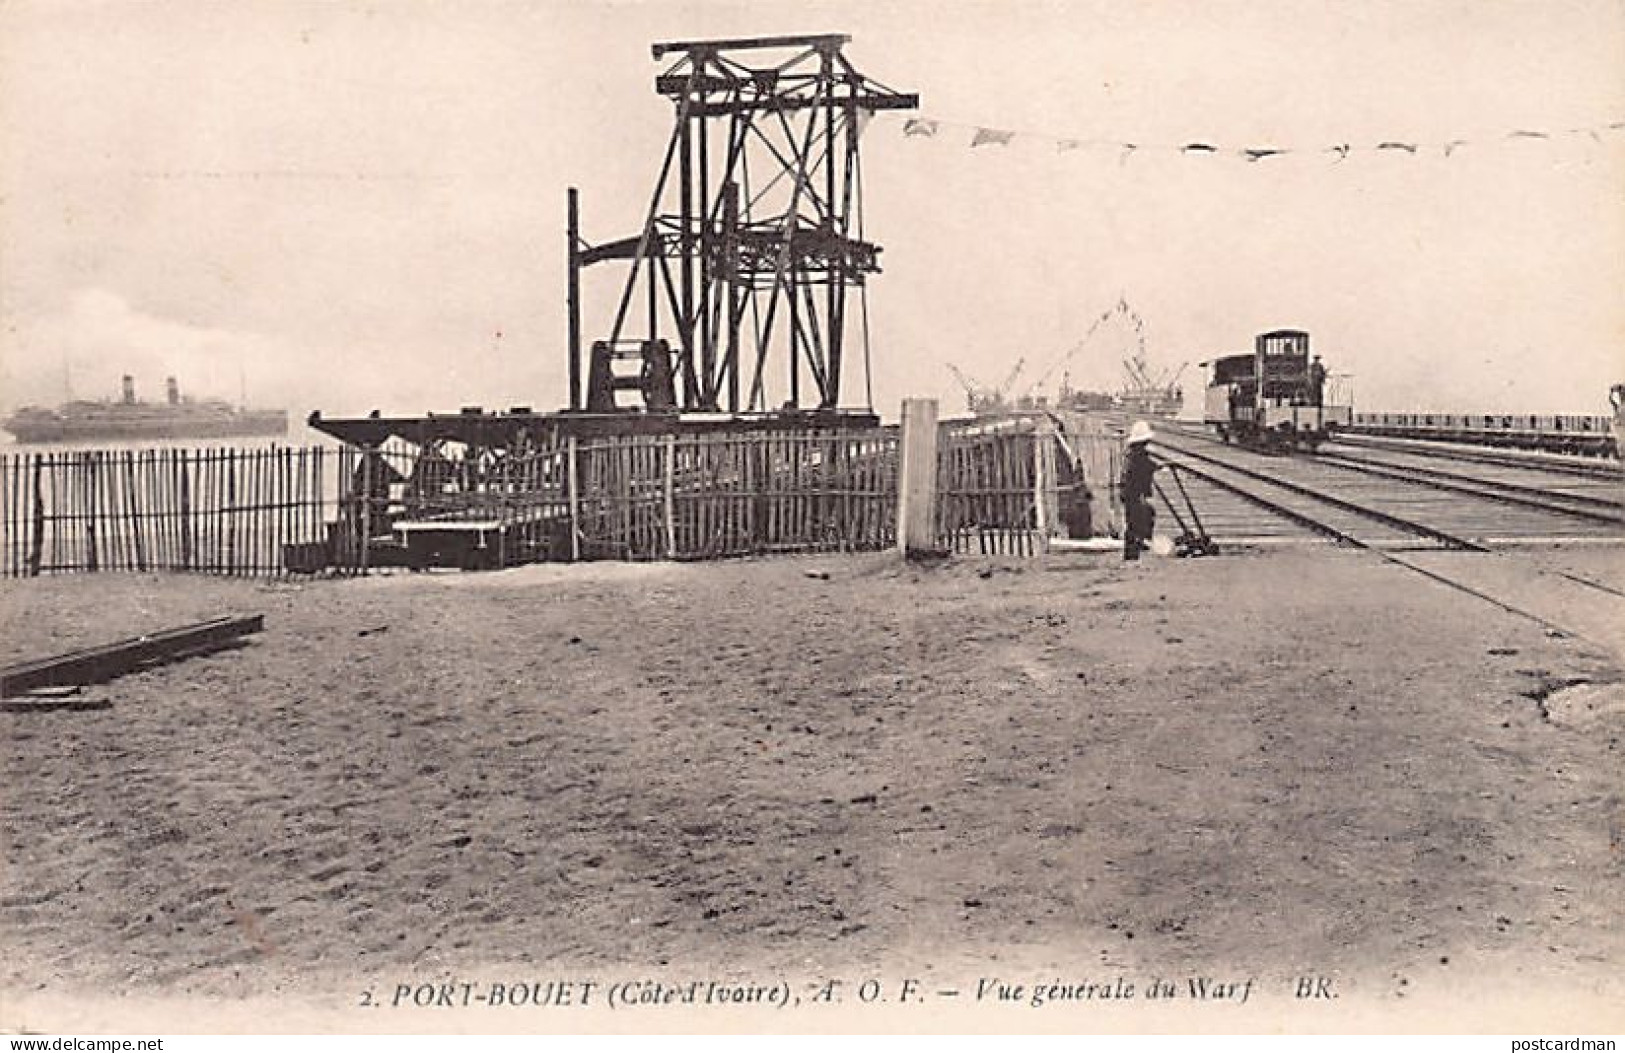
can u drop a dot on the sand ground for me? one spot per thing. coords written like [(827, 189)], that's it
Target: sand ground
[(1266, 765)]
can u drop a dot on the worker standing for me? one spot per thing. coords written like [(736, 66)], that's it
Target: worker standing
[(1616, 398), (1317, 383), (1135, 488)]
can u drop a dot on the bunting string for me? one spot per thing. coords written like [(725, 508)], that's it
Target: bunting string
[(983, 135)]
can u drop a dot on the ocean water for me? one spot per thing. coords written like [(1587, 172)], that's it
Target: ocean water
[(299, 434)]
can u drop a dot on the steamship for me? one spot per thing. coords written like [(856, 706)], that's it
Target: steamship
[(177, 417)]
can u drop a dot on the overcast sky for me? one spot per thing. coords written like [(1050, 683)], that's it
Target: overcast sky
[(347, 206)]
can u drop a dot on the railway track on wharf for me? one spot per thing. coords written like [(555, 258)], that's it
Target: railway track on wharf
[(1504, 544), (1538, 487), (1294, 494), (1395, 498)]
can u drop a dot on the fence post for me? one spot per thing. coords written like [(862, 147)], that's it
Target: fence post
[(575, 501), (917, 479), (1044, 493), (366, 507), (88, 492), (671, 512), (134, 504), (36, 543)]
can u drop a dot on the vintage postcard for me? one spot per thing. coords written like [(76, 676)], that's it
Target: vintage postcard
[(541, 516)]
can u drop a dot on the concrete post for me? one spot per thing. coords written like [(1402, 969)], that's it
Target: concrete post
[(917, 479)]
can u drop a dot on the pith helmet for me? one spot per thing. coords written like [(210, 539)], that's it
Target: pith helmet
[(1141, 432)]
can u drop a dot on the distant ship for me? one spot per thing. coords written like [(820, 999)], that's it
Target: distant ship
[(129, 418)]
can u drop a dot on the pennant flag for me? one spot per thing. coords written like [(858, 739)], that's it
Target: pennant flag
[(984, 136)]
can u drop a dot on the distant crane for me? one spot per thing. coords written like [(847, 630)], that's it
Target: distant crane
[(983, 399), (1151, 393), (1057, 364), (1121, 309), (1011, 379), (971, 390), (1141, 378)]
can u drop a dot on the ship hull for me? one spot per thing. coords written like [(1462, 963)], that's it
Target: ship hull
[(58, 429)]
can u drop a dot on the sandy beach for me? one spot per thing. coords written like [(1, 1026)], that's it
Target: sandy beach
[(1270, 765)]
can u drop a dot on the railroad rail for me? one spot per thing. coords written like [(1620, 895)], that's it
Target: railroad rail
[(1395, 499), (1592, 507), (1448, 524), (1570, 464), (1314, 509)]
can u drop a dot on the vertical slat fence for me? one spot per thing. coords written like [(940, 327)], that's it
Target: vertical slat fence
[(209, 510), (685, 496)]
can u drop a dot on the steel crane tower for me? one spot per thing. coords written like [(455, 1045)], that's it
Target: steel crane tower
[(737, 296)]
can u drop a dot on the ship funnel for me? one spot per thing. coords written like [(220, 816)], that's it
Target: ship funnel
[(173, 390), (129, 390)]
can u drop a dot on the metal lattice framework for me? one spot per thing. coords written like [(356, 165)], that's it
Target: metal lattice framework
[(753, 238)]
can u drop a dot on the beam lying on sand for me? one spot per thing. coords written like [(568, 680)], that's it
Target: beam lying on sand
[(94, 665)]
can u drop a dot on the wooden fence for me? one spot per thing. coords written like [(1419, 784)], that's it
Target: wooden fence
[(649, 497), (990, 498), (221, 511), (706, 496), (700, 496)]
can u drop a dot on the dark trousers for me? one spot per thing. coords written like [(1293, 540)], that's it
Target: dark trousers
[(1142, 521)]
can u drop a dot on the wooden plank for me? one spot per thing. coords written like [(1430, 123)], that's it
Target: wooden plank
[(183, 465), (158, 478), (284, 498), (13, 516), (51, 524), (209, 509), (95, 665), (668, 486), (236, 538), (112, 511), (89, 480), (13, 472), (135, 506), (575, 499)]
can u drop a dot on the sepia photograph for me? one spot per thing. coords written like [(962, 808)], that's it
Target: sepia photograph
[(693, 516)]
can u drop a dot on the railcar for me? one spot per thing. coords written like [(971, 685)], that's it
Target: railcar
[(1273, 398)]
